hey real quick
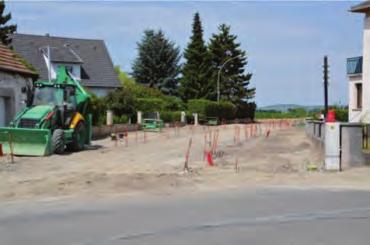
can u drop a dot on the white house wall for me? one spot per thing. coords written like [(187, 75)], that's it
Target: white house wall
[(365, 114)]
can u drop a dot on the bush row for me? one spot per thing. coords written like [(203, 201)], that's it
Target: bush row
[(125, 104), (224, 110)]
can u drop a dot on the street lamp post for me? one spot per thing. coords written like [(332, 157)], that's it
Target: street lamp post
[(219, 74)]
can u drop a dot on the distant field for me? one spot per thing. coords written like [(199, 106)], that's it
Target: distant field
[(288, 107), (278, 114), (341, 113)]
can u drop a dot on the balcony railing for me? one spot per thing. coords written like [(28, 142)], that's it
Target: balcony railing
[(354, 66)]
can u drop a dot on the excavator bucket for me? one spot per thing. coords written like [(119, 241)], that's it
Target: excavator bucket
[(26, 142)]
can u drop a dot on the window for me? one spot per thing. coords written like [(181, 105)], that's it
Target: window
[(69, 68), (358, 95), (48, 96), (70, 98)]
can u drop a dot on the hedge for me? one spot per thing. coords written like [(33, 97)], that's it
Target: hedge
[(246, 110), (341, 113), (149, 104), (120, 119), (173, 103), (170, 116), (97, 108), (125, 105), (198, 106), (223, 110)]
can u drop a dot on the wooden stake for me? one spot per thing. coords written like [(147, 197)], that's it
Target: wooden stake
[(205, 146), (186, 164), (215, 141), (116, 140), (10, 139), (245, 132)]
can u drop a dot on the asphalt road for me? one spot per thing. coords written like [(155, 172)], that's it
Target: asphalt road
[(263, 216)]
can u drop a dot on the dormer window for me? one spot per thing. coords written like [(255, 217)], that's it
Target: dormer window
[(69, 68), (73, 69)]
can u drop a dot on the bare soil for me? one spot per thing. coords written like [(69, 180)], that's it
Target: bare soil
[(155, 163)]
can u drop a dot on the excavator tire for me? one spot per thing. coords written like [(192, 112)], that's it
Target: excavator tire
[(58, 141), (79, 138)]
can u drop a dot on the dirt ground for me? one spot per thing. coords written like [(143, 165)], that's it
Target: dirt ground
[(154, 162)]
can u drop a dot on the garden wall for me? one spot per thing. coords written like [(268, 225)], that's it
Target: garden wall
[(104, 131), (351, 138)]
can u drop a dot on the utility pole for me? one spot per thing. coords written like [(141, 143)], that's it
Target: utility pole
[(326, 84)]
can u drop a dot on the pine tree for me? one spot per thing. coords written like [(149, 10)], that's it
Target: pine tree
[(196, 82), (5, 30), (157, 64), (231, 59)]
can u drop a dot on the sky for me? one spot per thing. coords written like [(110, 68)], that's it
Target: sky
[(285, 40)]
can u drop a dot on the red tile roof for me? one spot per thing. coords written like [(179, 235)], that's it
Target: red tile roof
[(11, 62), (363, 7)]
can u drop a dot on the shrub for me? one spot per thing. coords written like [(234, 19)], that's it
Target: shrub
[(120, 101), (149, 104), (137, 90), (173, 103), (141, 91), (227, 110), (170, 116), (198, 106), (246, 110), (341, 114), (223, 110), (120, 119), (97, 108), (206, 108)]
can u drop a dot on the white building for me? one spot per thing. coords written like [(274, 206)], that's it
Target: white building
[(358, 71)]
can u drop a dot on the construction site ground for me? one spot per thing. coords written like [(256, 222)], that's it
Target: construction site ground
[(154, 163)]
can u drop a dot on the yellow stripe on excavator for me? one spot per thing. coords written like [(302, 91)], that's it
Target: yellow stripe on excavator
[(76, 118)]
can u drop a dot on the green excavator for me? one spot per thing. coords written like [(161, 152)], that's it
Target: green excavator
[(55, 119)]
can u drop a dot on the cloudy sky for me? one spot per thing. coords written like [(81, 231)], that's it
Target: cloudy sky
[(285, 41)]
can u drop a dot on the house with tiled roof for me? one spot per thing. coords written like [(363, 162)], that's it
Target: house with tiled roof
[(15, 74), (88, 60)]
